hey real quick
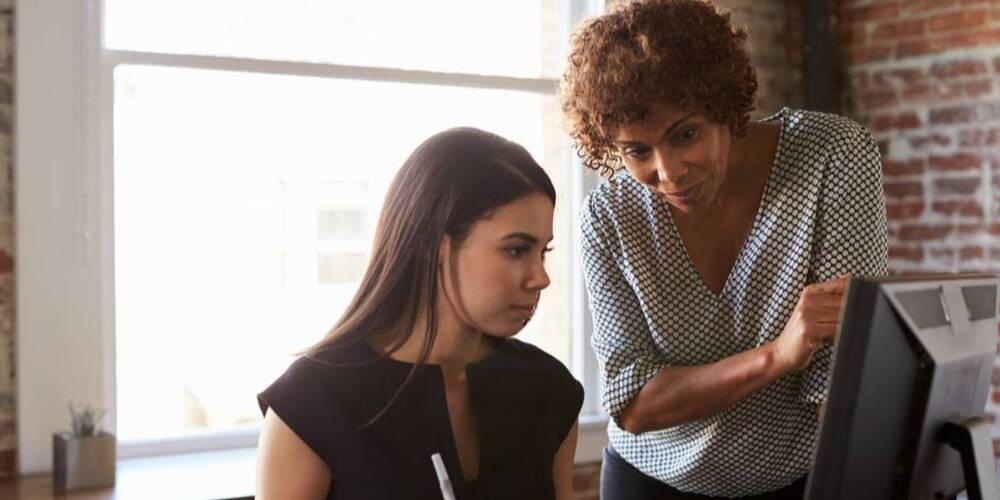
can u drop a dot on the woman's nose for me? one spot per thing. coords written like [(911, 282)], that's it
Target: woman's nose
[(539, 278), (670, 169)]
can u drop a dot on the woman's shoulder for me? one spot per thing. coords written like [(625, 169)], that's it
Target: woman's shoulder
[(320, 380), (614, 196), (529, 358), (620, 188), (812, 128)]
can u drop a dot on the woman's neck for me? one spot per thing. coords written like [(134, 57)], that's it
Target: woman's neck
[(455, 344)]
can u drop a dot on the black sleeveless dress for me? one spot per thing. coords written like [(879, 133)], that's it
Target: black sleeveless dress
[(524, 402)]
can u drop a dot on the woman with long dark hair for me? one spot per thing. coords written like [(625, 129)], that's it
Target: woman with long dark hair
[(421, 364)]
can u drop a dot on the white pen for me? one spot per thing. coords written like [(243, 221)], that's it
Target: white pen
[(443, 481)]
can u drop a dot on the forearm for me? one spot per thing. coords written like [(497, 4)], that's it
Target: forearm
[(677, 395)]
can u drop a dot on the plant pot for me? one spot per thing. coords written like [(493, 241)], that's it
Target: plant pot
[(82, 461)]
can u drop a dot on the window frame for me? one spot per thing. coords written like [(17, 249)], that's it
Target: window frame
[(64, 265)]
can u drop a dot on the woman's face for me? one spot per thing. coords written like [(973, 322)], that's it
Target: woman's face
[(679, 155), (492, 281)]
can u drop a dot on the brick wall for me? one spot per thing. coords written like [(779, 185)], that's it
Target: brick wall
[(923, 76), (774, 27), (8, 440)]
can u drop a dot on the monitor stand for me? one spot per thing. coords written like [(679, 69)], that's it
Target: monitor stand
[(972, 440)]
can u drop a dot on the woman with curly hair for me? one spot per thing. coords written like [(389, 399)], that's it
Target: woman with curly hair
[(716, 254)]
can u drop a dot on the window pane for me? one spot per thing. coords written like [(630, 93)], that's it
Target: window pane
[(245, 205), (465, 36), (339, 225)]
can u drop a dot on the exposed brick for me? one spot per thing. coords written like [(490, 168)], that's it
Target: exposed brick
[(904, 211), (903, 189), (901, 121), (959, 20), (957, 185), (920, 6), (952, 69), (978, 88), (880, 99), (965, 230), (971, 253), (942, 253), (917, 93), (861, 79), (935, 45), (960, 161), (922, 141), (860, 54), (975, 137), (968, 138), (908, 253), (871, 12), (894, 168), (965, 113), (956, 114), (6, 263), (967, 208), (900, 29), (920, 47), (8, 462), (974, 38), (852, 34), (923, 232), (892, 77)]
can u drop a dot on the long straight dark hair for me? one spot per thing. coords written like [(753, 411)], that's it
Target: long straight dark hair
[(451, 181)]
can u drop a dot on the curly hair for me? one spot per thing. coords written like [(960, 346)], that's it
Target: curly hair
[(681, 52)]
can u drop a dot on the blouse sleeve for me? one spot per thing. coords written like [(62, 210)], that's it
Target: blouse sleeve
[(299, 397), (627, 356), (850, 233)]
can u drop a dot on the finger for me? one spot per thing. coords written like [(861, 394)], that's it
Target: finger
[(834, 286), (823, 332)]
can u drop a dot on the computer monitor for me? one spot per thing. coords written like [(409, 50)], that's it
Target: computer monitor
[(911, 373)]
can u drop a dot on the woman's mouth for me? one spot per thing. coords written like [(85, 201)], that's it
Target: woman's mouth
[(525, 311), (686, 196)]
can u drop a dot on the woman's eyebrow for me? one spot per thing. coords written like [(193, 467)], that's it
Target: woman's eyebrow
[(665, 133), (676, 124), (521, 236)]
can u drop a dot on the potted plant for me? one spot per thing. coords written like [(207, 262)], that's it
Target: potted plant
[(84, 458)]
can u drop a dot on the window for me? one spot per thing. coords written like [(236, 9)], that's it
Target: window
[(248, 160)]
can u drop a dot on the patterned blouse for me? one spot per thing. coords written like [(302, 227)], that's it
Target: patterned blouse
[(822, 214)]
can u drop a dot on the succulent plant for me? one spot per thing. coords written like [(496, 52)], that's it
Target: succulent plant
[(85, 421)]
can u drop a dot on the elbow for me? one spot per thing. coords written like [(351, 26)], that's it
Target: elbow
[(631, 421)]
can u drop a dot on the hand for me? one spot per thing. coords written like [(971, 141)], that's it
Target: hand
[(813, 323)]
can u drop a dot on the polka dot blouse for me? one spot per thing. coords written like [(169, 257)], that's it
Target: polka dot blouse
[(822, 214)]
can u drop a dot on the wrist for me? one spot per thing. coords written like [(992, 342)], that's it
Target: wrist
[(776, 364)]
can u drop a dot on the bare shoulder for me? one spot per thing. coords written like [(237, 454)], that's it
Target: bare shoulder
[(286, 466)]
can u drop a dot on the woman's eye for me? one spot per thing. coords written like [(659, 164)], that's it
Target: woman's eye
[(516, 251), (685, 135), (636, 152)]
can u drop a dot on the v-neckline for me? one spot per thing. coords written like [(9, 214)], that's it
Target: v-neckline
[(450, 453), (761, 206)]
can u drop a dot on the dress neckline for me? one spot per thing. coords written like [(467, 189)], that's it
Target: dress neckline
[(765, 201)]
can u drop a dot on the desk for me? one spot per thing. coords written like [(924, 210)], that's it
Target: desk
[(196, 476)]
